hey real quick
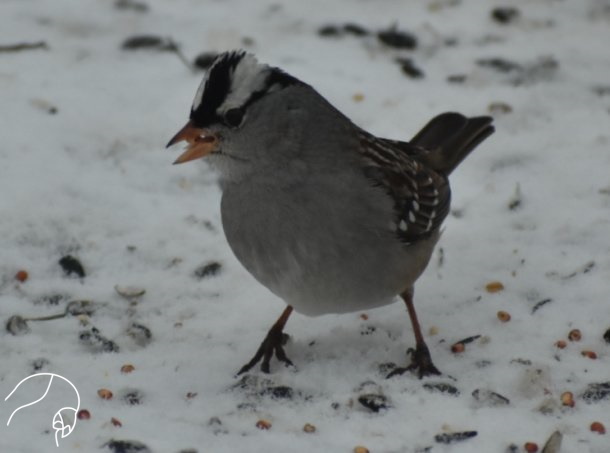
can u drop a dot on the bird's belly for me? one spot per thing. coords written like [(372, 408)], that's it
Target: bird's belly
[(322, 256)]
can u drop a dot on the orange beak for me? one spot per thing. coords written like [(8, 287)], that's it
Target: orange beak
[(200, 142)]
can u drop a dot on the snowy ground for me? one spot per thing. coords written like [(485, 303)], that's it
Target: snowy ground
[(84, 172)]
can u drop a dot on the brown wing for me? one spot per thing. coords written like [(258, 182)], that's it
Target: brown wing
[(421, 195)]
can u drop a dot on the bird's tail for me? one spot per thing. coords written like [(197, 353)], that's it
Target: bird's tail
[(449, 137)]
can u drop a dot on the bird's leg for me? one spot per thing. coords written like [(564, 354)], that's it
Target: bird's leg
[(273, 342), (421, 362)]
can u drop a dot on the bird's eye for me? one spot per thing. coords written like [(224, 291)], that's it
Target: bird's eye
[(233, 117)]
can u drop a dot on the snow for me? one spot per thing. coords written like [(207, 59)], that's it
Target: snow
[(93, 180)]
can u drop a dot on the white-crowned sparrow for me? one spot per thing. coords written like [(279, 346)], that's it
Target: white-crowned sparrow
[(327, 216)]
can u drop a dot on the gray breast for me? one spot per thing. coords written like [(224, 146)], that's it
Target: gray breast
[(325, 245)]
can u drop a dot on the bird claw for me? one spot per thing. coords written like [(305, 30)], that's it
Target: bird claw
[(271, 345), (421, 363)]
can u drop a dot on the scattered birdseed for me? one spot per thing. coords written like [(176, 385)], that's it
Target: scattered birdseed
[(460, 346), (456, 78), (355, 29), (374, 402), (516, 199), (361, 449), (607, 336), (133, 397), (309, 428), (278, 392), (489, 398), (80, 307), (132, 5), (45, 106), (575, 335), (127, 368), (83, 414), (596, 392), (104, 394), (129, 292), (210, 269), (567, 399), (561, 344), (148, 42), (126, 446), (598, 427), (96, 342), (329, 31), (39, 364), (397, 39), (442, 387), (503, 316), (499, 64), (457, 348), (585, 269), (21, 275), (494, 287), (408, 67), (116, 422), (530, 447), (263, 424), (553, 444), (589, 354), (71, 265), (505, 14), (140, 334), (540, 304), (450, 438), (499, 108)]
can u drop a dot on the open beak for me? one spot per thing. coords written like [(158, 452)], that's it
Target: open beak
[(200, 142)]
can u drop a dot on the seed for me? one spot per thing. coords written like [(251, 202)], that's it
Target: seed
[(358, 97), (83, 414), (309, 428), (361, 449), (21, 275), (531, 447), (129, 292), (567, 399), (457, 348), (364, 316), (433, 331), (598, 428), (116, 422), (607, 336), (263, 424), (104, 394), (127, 368), (589, 354), (561, 344), (575, 335), (494, 287), (503, 316)]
